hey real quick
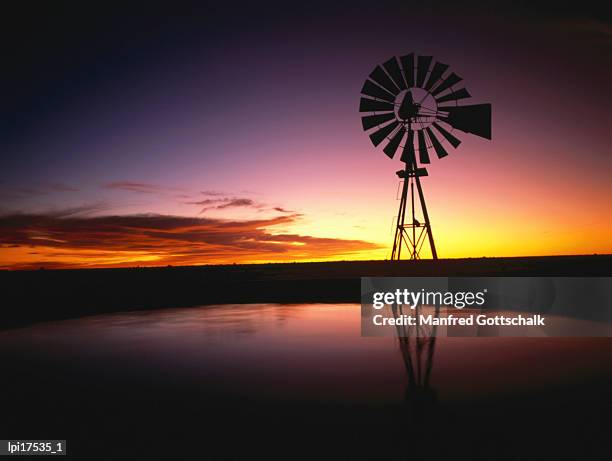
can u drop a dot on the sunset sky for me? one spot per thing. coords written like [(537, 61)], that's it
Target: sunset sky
[(193, 135)]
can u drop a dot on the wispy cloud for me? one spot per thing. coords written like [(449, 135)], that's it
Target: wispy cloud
[(282, 210), (78, 211), (71, 238), (224, 203), (139, 187), (37, 190), (206, 199), (212, 193), (238, 202)]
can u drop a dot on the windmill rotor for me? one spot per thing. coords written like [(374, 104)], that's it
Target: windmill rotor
[(415, 105), (416, 93)]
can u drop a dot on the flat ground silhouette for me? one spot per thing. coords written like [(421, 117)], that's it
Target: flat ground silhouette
[(32, 296)]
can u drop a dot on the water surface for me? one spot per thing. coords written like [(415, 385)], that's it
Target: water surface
[(236, 365)]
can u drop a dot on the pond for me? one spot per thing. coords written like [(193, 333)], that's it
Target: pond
[(202, 376)]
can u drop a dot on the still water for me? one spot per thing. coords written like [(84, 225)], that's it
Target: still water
[(165, 366), (310, 351)]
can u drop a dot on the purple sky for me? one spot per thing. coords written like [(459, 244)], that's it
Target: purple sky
[(261, 107)]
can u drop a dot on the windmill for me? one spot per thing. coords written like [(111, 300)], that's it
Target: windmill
[(407, 98)]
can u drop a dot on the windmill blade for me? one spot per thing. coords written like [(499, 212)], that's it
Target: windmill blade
[(423, 63), (408, 155), (423, 155), (436, 74), (370, 121), (451, 80), (394, 143), (370, 105), (371, 89), (407, 62), (440, 151), (380, 77), (475, 119), (454, 96), (378, 136), (393, 69), (449, 137)]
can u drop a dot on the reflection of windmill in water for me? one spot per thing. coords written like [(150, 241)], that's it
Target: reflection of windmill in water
[(417, 345)]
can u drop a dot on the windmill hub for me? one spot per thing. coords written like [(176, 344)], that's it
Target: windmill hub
[(408, 109), (415, 105), (409, 97)]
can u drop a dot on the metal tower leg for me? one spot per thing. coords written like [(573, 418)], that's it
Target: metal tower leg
[(432, 245)]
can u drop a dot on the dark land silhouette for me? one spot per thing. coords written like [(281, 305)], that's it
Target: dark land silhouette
[(41, 295)]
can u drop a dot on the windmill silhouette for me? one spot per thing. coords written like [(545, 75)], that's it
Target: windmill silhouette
[(408, 96)]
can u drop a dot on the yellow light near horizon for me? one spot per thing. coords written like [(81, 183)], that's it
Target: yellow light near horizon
[(32, 257)]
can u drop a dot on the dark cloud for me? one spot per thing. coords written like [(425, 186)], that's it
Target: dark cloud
[(139, 187), (38, 190), (282, 210), (224, 203), (160, 239), (79, 211), (212, 193), (238, 202), (205, 202)]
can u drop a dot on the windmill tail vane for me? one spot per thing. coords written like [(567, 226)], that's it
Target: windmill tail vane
[(414, 105)]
